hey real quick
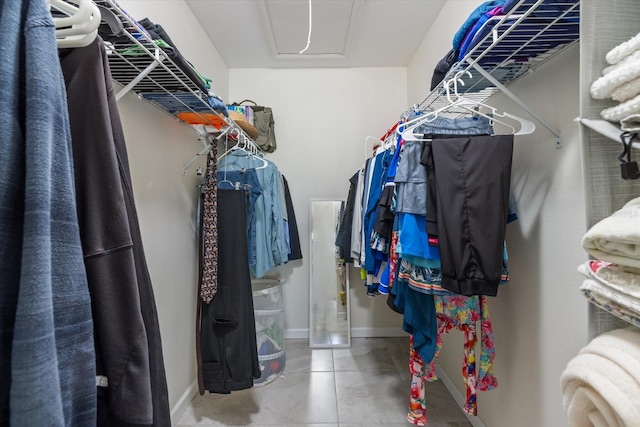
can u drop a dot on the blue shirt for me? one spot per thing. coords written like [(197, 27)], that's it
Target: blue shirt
[(270, 242)]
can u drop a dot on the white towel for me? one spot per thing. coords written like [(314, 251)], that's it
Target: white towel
[(618, 75), (617, 238), (619, 278), (626, 91), (622, 111), (616, 303), (601, 385), (623, 50)]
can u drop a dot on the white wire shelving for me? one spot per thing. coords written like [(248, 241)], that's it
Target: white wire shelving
[(515, 44)]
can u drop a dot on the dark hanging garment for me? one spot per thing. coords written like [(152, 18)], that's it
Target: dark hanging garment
[(343, 239), (132, 388), (47, 361), (472, 177), (294, 236), (229, 354)]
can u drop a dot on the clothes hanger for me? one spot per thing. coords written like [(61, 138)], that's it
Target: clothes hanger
[(407, 128), (224, 178), (471, 106), (244, 144), (80, 27), (526, 126)]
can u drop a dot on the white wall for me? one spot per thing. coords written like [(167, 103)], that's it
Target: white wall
[(322, 117), (158, 147), (540, 318)]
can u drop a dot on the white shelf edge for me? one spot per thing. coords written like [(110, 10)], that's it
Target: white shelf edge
[(607, 129)]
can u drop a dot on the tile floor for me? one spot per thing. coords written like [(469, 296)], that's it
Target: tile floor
[(364, 385)]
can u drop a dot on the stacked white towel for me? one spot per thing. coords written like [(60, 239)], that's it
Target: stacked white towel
[(601, 385), (617, 238), (620, 81), (613, 281)]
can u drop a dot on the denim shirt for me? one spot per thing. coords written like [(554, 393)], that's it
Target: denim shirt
[(46, 327), (270, 241)]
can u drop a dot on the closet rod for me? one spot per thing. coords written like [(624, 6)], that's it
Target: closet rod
[(519, 101)]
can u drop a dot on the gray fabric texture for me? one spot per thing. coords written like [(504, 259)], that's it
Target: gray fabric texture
[(603, 25)]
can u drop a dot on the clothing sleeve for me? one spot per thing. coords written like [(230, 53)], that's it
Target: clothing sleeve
[(278, 242)]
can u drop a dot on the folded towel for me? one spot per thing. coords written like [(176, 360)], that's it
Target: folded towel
[(612, 307), (601, 384), (619, 278), (623, 50), (617, 238), (631, 123), (616, 303)]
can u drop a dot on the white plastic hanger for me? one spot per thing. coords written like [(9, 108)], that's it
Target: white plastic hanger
[(470, 105), (526, 126), (245, 145), (80, 27)]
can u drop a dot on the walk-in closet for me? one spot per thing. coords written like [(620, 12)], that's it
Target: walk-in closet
[(337, 213)]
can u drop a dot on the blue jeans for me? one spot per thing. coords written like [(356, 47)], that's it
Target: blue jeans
[(459, 127)]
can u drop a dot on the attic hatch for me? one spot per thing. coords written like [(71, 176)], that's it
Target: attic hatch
[(287, 25)]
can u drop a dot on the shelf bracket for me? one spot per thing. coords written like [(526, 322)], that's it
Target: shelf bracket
[(521, 103), (207, 140), (144, 73)]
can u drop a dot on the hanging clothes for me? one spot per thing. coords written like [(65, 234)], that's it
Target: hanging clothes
[(426, 198), (270, 240), (472, 175), (227, 348), (356, 226), (132, 386), (294, 236), (464, 313), (47, 359)]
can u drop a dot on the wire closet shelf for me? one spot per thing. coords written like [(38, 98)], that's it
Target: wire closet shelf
[(139, 65), (515, 44)]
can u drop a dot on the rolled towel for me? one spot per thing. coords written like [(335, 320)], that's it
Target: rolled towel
[(633, 57), (605, 85), (627, 90), (601, 384), (620, 112), (616, 238), (588, 405), (623, 50)]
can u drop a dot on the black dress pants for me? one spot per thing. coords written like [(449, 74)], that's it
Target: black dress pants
[(228, 332)]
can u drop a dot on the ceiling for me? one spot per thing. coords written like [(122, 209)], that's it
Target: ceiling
[(345, 33)]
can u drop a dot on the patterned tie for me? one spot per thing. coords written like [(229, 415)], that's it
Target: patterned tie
[(209, 284)]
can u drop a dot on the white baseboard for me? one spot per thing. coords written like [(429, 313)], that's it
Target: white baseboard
[(291, 334), (457, 396), (184, 401), (377, 332), (355, 333)]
